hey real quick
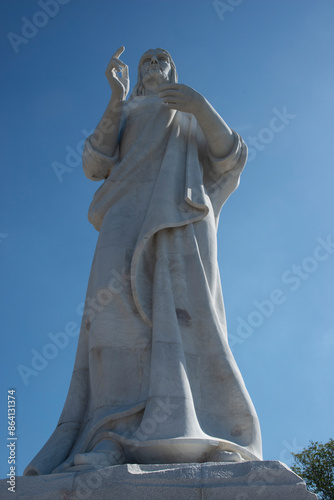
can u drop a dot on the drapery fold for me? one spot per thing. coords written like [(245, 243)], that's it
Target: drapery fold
[(153, 370)]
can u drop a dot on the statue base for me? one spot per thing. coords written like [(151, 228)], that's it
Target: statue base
[(260, 480)]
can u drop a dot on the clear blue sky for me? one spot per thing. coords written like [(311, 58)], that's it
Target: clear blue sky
[(267, 68)]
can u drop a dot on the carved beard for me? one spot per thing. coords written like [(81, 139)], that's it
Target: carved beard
[(154, 76)]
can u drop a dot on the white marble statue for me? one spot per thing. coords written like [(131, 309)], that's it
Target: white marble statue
[(154, 379)]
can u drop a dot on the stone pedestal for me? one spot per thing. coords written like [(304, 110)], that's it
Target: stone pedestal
[(266, 480)]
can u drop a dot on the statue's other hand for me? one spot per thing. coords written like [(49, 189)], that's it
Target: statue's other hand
[(119, 83), (181, 97)]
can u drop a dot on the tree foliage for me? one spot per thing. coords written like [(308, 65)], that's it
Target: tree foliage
[(315, 465)]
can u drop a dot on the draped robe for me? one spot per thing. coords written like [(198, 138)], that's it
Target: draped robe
[(153, 370)]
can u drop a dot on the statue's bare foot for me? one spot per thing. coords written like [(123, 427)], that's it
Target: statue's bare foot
[(105, 453), (225, 456)]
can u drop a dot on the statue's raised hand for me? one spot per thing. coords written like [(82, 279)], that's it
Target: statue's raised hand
[(117, 74)]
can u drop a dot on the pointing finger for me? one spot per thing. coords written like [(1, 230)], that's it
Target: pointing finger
[(119, 51)]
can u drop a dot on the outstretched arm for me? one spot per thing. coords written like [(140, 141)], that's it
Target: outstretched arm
[(105, 136), (183, 98)]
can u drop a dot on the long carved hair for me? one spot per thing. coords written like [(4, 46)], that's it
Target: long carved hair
[(139, 89)]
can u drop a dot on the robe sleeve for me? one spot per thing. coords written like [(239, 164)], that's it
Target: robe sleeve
[(221, 176), (96, 165)]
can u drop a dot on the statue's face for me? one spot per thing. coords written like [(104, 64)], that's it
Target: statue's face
[(155, 68)]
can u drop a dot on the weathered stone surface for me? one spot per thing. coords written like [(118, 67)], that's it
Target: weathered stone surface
[(154, 379), (258, 480)]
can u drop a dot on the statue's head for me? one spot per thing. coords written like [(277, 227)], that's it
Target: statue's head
[(155, 67)]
